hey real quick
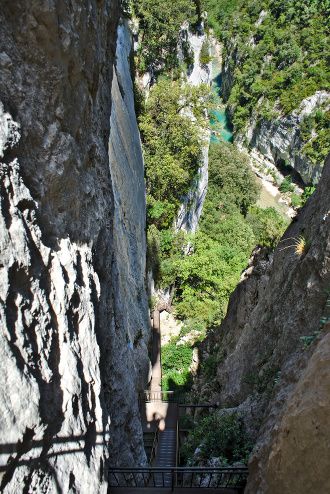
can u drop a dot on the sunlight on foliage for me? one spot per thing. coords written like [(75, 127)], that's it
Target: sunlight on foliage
[(281, 59), (220, 436)]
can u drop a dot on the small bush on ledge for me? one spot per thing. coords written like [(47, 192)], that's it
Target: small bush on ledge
[(221, 436)]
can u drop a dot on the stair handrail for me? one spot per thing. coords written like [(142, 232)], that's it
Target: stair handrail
[(234, 477), (177, 452)]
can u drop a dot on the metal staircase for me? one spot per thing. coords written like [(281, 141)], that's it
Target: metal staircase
[(159, 414)]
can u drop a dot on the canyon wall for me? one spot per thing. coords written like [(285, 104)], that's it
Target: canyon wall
[(272, 354), (192, 204), (278, 139), (74, 314)]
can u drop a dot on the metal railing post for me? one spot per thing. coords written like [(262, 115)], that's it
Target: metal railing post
[(172, 473)]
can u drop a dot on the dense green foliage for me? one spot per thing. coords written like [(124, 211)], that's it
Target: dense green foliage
[(231, 183), (176, 360), (204, 56), (219, 251), (219, 11), (267, 224), (281, 57), (219, 436), (308, 192), (287, 185), (172, 145), (315, 131), (160, 24), (297, 201)]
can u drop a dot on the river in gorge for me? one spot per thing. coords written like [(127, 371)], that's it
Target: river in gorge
[(222, 131)]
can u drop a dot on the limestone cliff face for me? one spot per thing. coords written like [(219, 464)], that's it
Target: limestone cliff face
[(192, 204), (73, 306), (128, 365), (279, 140), (272, 351), (295, 457)]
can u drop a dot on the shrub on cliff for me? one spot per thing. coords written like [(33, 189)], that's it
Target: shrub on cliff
[(204, 56), (315, 131), (217, 436), (287, 185), (267, 224)]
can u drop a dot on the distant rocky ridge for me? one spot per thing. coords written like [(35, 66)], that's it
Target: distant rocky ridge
[(280, 142)]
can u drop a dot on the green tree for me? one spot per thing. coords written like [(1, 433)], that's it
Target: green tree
[(267, 224), (221, 436), (172, 143), (160, 24), (204, 56), (176, 360), (231, 176), (287, 185)]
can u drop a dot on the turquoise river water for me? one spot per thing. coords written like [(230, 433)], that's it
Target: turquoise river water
[(220, 126), (221, 130)]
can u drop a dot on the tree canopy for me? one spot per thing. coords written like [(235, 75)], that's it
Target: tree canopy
[(279, 52), (171, 129), (160, 24)]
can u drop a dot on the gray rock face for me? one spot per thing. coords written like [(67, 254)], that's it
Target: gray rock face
[(280, 141), (192, 204), (294, 456), (265, 367), (73, 305), (128, 363), (228, 66)]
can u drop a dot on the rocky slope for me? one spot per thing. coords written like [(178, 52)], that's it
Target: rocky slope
[(74, 315), (272, 353)]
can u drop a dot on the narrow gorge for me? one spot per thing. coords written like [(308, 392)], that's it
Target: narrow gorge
[(164, 246)]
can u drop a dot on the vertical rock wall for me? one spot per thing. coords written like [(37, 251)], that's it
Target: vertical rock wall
[(272, 353), (294, 458), (73, 306), (280, 140), (192, 204), (128, 363)]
